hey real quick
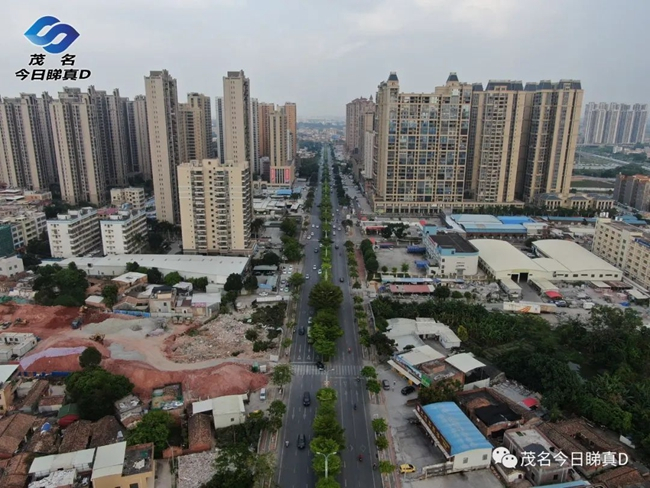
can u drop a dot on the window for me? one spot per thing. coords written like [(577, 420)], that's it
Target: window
[(485, 456), (134, 485), (465, 460)]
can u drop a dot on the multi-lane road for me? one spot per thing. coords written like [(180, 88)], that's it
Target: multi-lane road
[(294, 469)]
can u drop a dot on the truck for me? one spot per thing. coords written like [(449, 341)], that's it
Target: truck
[(529, 307)]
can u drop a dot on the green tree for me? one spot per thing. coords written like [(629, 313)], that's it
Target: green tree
[(327, 483), (405, 267), (442, 292), (199, 284), (277, 409), (325, 295), (263, 467), (256, 226), (282, 374), (95, 390), (251, 335), (296, 280), (385, 467), (292, 249), (173, 278), (373, 386), (232, 468), (381, 443), (55, 285), (39, 247), (155, 427), (333, 465), (155, 277), (289, 227), (251, 283), (109, 292), (384, 269), (90, 357), (234, 283), (326, 396), (456, 295), (369, 372), (379, 426), (132, 267), (462, 333), (325, 348), (326, 425), (269, 258), (442, 391), (372, 265)]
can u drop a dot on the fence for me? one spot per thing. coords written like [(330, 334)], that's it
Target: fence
[(134, 313)]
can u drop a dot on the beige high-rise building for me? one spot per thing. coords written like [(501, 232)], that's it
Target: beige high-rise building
[(354, 121), (236, 101), (498, 140), (281, 168), (265, 110), (195, 133), (292, 128), (141, 129), (256, 168), (221, 135), (27, 157), (117, 160), (77, 136), (164, 143), (420, 152), (555, 110), (216, 207)]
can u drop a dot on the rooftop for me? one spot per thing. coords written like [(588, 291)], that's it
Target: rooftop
[(222, 405), (475, 219), (494, 414), (76, 436), (503, 256), (421, 354), (455, 427), (464, 362), (129, 278), (13, 429), (573, 256), (6, 370), (106, 430), (80, 460), (199, 431), (453, 241)]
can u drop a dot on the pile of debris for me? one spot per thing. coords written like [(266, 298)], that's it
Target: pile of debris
[(194, 470), (220, 338)]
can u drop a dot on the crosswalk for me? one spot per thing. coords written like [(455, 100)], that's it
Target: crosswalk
[(344, 370)]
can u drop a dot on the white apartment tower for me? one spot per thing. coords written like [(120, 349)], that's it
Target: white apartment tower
[(141, 125), (74, 234), (26, 152), (133, 196), (216, 207), (124, 232), (236, 107), (162, 118)]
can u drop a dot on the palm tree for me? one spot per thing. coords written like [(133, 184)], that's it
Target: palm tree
[(256, 226)]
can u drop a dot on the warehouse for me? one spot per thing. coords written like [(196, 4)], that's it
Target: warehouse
[(501, 260), (457, 437), (580, 264)]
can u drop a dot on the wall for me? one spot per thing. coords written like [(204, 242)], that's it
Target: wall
[(476, 459)]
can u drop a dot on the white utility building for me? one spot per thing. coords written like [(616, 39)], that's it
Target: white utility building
[(580, 264), (501, 260)]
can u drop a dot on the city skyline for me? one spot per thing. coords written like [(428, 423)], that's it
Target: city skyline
[(369, 40)]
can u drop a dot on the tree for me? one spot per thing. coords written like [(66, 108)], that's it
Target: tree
[(256, 226), (234, 283), (173, 278), (387, 232), (405, 267), (372, 265), (373, 386), (326, 425), (271, 259), (132, 267), (379, 425), (55, 285), (325, 348), (384, 269), (109, 292), (456, 295), (325, 295), (296, 280), (90, 357), (442, 292), (95, 390), (282, 374), (442, 391), (263, 467), (462, 333), (385, 467), (381, 443), (199, 284), (39, 247), (251, 283), (289, 227), (327, 483), (154, 276), (321, 446), (326, 396), (232, 468), (291, 249), (369, 372), (154, 427), (277, 409)]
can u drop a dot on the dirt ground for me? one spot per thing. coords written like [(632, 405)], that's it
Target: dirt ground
[(130, 348)]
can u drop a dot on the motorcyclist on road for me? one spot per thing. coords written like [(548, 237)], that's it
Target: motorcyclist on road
[(355, 406), (360, 457), (286, 443)]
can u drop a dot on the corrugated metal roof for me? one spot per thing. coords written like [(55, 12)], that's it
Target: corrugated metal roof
[(455, 427)]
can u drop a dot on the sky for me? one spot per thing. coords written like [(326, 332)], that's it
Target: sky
[(321, 54)]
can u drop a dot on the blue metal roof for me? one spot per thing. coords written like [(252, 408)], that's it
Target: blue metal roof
[(284, 192), (495, 228), (514, 219), (459, 431), (565, 219), (568, 484)]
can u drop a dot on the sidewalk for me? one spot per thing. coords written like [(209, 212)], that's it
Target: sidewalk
[(389, 480)]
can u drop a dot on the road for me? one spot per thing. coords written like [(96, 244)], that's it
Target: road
[(295, 465)]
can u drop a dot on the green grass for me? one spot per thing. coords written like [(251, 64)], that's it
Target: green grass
[(591, 184)]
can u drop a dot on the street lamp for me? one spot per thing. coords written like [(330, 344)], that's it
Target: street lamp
[(326, 456)]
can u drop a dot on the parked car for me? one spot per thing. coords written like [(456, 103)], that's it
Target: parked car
[(385, 384), (406, 468), (407, 390), (263, 394)]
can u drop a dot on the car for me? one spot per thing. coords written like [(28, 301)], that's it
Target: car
[(302, 442), (301, 330), (315, 249), (406, 468), (306, 399), (413, 420), (320, 271), (313, 225), (320, 366), (263, 294), (317, 227), (336, 247), (342, 280), (315, 267), (407, 390), (310, 319), (263, 394), (306, 277), (385, 384), (286, 290)]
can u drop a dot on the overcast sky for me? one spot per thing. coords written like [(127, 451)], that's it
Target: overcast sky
[(323, 53)]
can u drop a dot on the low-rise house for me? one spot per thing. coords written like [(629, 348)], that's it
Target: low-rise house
[(162, 299), (29, 403), (106, 430), (527, 442), (226, 410), (200, 433), (129, 410), (14, 345), (95, 301), (128, 281), (79, 462), (76, 436), (15, 470), (205, 304), (490, 412), (8, 380), (52, 403), (14, 433), (67, 414), (117, 466), (45, 440)]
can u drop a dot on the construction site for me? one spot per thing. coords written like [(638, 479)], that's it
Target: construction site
[(209, 360)]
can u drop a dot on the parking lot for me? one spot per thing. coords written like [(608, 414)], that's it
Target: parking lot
[(394, 258)]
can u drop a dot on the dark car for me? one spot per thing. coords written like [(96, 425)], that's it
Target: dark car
[(306, 399), (385, 384), (302, 442), (320, 366), (342, 280), (301, 331), (407, 390), (336, 247)]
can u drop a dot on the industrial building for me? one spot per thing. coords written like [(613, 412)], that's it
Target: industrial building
[(459, 440), (501, 260), (580, 264), (451, 255)]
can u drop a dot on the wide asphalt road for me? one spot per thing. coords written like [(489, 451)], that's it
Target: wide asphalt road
[(295, 469)]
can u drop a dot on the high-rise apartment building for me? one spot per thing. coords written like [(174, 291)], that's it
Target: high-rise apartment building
[(265, 110), (281, 167), (133, 196), (236, 108), (633, 191), (124, 232), (221, 137), (75, 233), (27, 157), (354, 121), (615, 123), (461, 146), (164, 143), (216, 206), (79, 147), (292, 128), (195, 127), (117, 159), (141, 126), (255, 137)]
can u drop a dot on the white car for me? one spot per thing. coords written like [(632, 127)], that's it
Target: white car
[(306, 277), (263, 294), (315, 266), (320, 271)]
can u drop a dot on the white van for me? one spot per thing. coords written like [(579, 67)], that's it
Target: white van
[(263, 394)]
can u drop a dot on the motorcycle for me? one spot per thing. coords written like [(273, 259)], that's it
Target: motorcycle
[(360, 458), (286, 444)]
